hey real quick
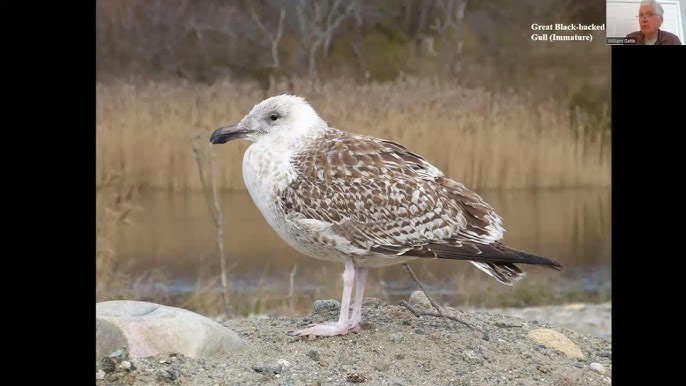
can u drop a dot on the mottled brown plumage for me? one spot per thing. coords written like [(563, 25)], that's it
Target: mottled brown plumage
[(387, 200)]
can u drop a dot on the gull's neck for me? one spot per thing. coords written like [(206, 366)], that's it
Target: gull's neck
[(293, 141)]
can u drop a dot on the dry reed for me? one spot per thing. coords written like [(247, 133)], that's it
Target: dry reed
[(113, 209), (487, 140)]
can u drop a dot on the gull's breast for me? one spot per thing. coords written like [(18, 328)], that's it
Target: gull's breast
[(266, 173)]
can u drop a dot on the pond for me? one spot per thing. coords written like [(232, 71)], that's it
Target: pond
[(172, 243)]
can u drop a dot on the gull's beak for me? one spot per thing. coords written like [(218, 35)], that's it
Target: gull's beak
[(229, 133)]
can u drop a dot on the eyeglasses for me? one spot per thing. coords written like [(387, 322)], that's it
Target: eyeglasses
[(646, 16)]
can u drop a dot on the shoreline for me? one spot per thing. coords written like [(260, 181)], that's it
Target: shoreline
[(585, 318), (394, 347)]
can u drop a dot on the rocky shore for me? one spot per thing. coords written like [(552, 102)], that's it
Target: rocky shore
[(558, 345), (593, 319)]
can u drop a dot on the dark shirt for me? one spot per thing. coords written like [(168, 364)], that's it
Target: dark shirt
[(663, 38)]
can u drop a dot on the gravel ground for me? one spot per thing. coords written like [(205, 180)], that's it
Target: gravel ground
[(594, 319), (395, 347)]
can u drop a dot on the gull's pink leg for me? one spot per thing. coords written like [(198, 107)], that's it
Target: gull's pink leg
[(340, 327), (360, 277)]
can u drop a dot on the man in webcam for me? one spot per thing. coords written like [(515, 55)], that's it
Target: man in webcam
[(650, 20)]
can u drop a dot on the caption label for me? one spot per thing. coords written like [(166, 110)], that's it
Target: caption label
[(544, 32)]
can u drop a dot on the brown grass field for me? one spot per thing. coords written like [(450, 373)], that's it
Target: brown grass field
[(486, 140)]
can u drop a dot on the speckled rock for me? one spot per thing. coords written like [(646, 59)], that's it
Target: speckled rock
[(146, 329)]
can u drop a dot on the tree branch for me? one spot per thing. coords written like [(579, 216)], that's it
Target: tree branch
[(218, 218), (273, 39)]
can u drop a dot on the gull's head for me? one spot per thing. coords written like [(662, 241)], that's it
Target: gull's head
[(281, 118)]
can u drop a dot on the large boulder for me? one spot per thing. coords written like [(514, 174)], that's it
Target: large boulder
[(146, 329)]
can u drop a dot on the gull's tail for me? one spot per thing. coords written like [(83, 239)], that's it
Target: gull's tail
[(494, 259)]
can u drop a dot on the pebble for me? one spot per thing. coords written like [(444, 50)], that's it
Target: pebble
[(556, 340), (396, 337), (314, 355), (119, 355), (107, 365), (283, 362), (418, 298), (598, 368), (320, 306), (164, 375), (471, 356)]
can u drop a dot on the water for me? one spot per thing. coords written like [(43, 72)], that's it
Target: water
[(172, 242)]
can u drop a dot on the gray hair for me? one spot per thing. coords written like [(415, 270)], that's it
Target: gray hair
[(657, 6)]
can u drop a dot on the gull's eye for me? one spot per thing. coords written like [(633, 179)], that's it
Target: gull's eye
[(274, 117)]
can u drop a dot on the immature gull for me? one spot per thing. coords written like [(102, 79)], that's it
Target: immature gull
[(362, 201)]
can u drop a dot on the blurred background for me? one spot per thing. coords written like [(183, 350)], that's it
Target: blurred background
[(524, 123)]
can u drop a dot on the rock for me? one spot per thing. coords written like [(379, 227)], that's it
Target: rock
[(320, 306), (119, 356), (470, 356), (418, 298), (126, 365), (314, 355), (165, 375), (396, 337), (146, 329), (598, 367), (107, 365), (556, 340)]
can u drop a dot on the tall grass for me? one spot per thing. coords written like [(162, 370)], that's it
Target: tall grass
[(485, 139), (113, 209)]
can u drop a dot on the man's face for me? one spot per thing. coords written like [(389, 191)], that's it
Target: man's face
[(648, 19)]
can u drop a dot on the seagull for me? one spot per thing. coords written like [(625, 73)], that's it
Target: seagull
[(362, 201)]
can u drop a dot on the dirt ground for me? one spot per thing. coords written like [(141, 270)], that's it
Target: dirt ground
[(395, 347)]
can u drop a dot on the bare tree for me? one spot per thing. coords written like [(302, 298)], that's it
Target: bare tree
[(357, 40), (453, 18), (429, 43), (318, 22), (459, 36), (415, 26), (274, 40), (334, 20)]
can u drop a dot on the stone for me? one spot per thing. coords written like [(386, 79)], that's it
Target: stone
[(146, 329), (418, 298), (553, 339)]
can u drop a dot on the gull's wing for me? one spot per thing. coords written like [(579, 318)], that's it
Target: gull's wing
[(385, 199)]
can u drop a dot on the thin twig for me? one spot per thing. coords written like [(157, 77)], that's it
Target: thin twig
[(292, 285), (218, 218), (203, 185), (433, 303), (220, 235), (419, 313), (410, 307), (292, 279), (421, 286)]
